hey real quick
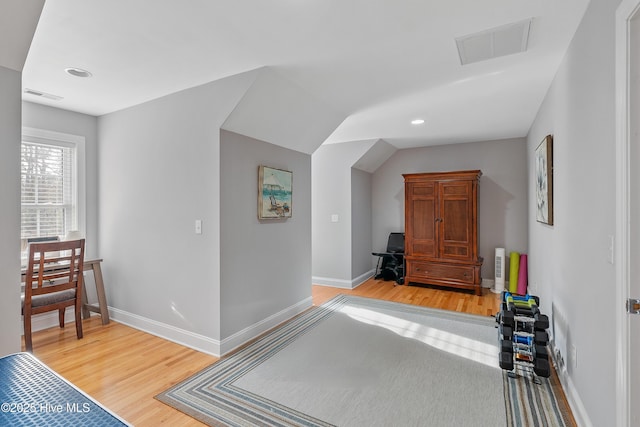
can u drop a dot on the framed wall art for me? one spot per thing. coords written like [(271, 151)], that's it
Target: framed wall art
[(275, 193), (544, 181)]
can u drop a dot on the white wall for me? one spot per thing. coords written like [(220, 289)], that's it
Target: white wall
[(569, 264), (272, 101), (503, 191), (332, 195), (10, 137), (265, 265), (159, 171), (360, 224)]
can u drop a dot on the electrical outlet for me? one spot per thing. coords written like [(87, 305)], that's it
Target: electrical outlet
[(198, 226), (560, 360)]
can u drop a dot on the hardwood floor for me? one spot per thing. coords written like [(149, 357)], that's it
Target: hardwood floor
[(124, 368), (462, 301)]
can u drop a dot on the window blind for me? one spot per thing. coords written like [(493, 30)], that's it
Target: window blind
[(47, 181)]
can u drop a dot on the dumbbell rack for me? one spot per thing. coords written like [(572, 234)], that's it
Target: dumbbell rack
[(522, 332)]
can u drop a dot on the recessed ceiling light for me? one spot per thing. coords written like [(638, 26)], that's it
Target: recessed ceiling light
[(77, 72), (417, 122)]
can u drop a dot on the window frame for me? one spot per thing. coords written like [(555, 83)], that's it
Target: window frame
[(77, 142)]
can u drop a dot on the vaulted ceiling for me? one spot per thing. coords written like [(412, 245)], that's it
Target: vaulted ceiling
[(378, 63)]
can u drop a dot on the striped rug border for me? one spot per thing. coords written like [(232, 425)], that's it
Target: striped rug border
[(210, 396), (535, 404)]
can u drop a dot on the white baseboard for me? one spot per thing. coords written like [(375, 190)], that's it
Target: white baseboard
[(352, 284), (577, 407), (180, 336), (334, 283), (203, 343), (362, 278), (239, 338), (341, 283)]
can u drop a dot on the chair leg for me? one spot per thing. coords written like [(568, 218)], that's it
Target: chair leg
[(61, 317), (28, 343), (78, 311)]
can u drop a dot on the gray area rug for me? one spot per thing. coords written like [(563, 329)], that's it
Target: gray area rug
[(363, 362)]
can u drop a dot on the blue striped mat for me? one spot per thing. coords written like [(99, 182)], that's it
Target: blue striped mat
[(33, 395)]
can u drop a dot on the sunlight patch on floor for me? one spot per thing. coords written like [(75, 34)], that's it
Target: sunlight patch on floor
[(458, 345)]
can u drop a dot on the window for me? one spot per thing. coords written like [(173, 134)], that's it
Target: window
[(52, 173), (48, 199)]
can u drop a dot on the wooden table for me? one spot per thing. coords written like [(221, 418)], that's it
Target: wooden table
[(101, 308)]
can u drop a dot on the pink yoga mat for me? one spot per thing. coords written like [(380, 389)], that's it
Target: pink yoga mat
[(523, 280)]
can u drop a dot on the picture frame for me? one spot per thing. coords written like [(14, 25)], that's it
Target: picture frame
[(275, 193), (544, 180)]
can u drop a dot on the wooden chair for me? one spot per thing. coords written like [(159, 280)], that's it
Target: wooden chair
[(53, 281)]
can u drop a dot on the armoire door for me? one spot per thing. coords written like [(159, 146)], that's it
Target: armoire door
[(456, 222), (421, 219)]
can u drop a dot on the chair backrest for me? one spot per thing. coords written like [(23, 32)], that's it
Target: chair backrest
[(395, 242), (54, 267)]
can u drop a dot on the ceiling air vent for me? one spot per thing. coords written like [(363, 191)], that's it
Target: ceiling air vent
[(493, 43), (42, 94)]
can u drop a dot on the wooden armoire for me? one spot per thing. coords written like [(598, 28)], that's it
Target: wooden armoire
[(441, 229)]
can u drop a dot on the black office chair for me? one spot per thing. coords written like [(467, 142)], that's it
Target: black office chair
[(391, 263)]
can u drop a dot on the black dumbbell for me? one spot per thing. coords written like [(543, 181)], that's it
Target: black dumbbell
[(524, 311), (541, 337), (506, 360), (540, 352), (542, 368), (541, 322), (507, 318), (506, 346), (506, 332), (503, 308)]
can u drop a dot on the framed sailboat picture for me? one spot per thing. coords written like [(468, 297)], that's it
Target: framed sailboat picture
[(275, 191)]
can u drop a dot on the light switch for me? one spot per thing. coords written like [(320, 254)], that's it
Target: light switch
[(611, 250), (198, 226)]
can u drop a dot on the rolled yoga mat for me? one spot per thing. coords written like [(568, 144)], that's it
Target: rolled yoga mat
[(514, 264), (522, 275)]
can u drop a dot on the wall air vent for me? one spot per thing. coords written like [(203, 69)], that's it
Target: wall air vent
[(495, 42), (28, 91)]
